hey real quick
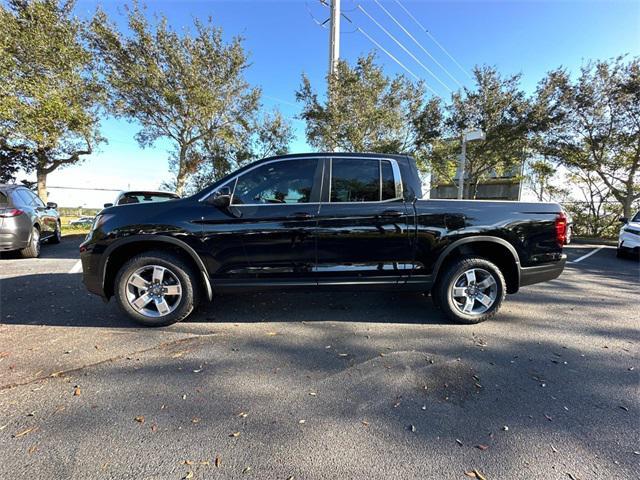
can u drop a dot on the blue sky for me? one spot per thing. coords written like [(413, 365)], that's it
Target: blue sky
[(283, 41)]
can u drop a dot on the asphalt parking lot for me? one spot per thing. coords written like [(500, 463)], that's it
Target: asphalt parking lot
[(321, 385)]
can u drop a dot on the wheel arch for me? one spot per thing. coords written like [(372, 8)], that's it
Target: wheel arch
[(495, 249), (121, 250)]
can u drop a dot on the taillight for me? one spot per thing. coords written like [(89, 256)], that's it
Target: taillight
[(561, 229), (10, 212)]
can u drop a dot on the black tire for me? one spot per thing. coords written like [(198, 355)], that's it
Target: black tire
[(33, 249), (190, 291), (57, 235), (443, 290)]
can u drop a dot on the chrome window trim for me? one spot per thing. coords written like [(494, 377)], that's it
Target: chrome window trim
[(394, 167)]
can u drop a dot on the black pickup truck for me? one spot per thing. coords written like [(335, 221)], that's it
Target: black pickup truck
[(322, 220)]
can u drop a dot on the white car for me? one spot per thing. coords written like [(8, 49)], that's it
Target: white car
[(629, 239)]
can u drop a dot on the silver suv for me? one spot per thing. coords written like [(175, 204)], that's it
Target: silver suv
[(25, 221)]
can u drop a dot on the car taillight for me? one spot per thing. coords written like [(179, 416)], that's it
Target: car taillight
[(561, 229), (10, 212)]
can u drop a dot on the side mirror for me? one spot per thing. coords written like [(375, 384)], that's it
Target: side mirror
[(623, 220), (107, 205), (52, 205), (222, 197)]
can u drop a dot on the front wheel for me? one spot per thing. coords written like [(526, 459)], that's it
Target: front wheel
[(57, 235), (156, 289), (470, 290)]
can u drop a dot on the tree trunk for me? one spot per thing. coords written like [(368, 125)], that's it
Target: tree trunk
[(626, 206), (41, 176), (181, 177)]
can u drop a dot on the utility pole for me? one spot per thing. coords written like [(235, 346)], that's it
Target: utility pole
[(334, 36)]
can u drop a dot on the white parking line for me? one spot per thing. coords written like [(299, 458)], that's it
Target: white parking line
[(77, 268), (587, 255)]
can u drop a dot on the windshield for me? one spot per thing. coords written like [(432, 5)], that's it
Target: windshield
[(636, 217), (142, 197)]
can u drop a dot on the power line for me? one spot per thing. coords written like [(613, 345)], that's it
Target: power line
[(433, 39), (418, 43), (404, 48)]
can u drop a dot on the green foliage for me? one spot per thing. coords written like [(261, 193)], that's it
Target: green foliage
[(499, 107), (365, 110), (49, 97), (540, 175), (189, 89), (271, 135), (592, 124)]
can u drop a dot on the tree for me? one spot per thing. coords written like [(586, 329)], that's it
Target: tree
[(540, 175), (269, 136), (500, 108), (593, 124), (365, 110), (49, 98), (189, 89)]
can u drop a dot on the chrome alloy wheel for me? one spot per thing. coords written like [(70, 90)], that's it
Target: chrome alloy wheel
[(154, 291), (474, 291)]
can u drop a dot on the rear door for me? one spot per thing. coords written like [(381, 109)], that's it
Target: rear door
[(362, 226)]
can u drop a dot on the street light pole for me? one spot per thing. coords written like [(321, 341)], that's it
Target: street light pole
[(463, 161), (468, 136)]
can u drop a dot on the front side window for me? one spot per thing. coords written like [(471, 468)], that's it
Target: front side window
[(284, 182)]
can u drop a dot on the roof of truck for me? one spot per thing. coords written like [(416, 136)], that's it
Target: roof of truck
[(335, 154)]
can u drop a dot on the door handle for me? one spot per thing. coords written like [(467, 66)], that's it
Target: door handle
[(300, 216), (391, 213)]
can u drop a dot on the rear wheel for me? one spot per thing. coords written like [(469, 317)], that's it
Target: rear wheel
[(156, 289), (470, 290), (33, 249)]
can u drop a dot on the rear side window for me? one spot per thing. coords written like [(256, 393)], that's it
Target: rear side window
[(21, 198), (3, 199), (355, 180)]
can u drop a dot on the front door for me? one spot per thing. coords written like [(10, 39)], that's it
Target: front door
[(362, 226), (273, 214)]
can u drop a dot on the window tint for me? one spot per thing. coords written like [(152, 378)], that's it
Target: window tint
[(355, 180), (287, 181), (636, 218), (388, 183)]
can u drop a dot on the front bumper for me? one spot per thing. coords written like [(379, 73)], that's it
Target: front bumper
[(542, 273)]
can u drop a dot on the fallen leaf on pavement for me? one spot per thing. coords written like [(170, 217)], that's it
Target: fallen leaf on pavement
[(217, 462), (188, 476), (187, 462), (553, 449), (243, 414), (272, 334), (475, 474), (139, 419), (235, 434), (459, 442), (365, 423), (57, 374), (246, 470), (25, 432), (482, 447), (302, 421), (572, 476), (626, 409), (32, 449), (195, 420), (76, 391)]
